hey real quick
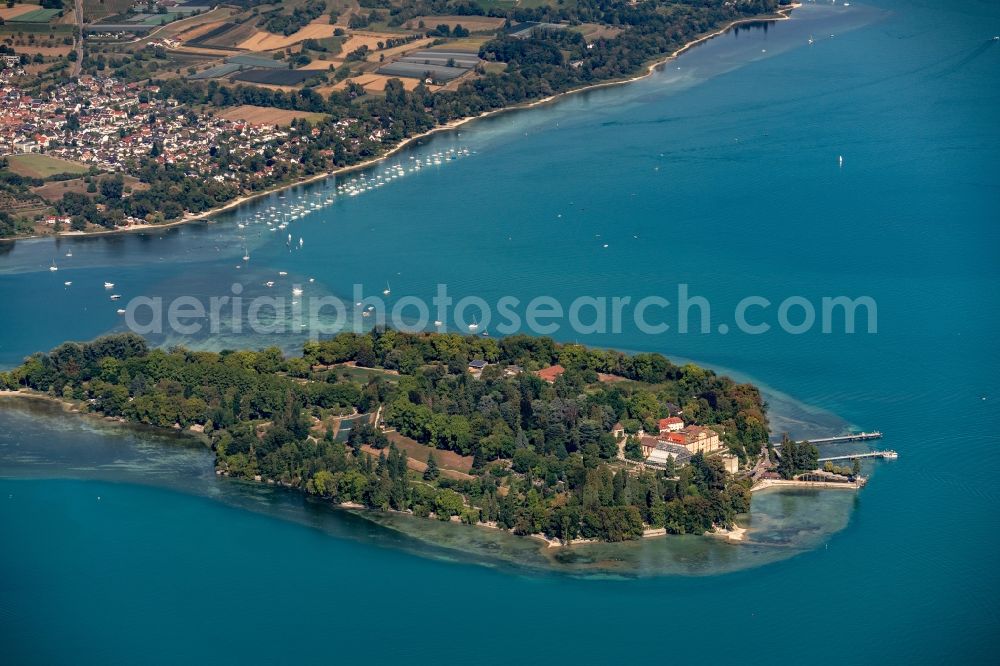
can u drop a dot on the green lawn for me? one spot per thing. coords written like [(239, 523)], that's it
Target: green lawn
[(363, 374), (43, 166)]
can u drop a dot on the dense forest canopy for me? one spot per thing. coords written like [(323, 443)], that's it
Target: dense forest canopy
[(543, 456)]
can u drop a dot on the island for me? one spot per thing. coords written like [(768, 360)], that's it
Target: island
[(558, 441), (116, 117)]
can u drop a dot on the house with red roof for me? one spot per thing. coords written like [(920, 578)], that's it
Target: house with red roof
[(671, 424)]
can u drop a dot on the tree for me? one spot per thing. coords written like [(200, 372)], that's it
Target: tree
[(856, 467), (633, 451), (671, 467), (111, 188), (432, 472)]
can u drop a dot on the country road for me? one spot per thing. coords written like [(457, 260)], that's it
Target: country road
[(78, 39)]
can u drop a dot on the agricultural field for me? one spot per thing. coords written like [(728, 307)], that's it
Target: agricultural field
[(196, 26), (371, 83), (275, 77), (266, 115), (225, 35), (98, 9), (333, 45), (19, 9), (395, 51), (470, 23), (47, 51), (322, 65), (441, 65), (35, 16), (470, 44), (42, 166), (266, 41)]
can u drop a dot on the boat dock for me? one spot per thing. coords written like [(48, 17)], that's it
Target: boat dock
[(888, 455), (852, 437), (764, 484)]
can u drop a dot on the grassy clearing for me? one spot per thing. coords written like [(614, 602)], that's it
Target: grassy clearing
[(43, 166), (419, 452), (55, 190)]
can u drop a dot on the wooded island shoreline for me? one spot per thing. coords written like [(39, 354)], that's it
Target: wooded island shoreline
[(541, 458)]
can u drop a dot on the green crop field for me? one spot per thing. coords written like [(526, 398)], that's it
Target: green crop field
[(37, 16)]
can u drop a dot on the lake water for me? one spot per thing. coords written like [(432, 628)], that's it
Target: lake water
[(722, 175)]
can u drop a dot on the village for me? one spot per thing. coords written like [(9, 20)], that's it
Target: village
[(105, 123), (100, 125)]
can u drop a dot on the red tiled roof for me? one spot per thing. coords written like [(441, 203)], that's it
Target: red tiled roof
[(669, 421)]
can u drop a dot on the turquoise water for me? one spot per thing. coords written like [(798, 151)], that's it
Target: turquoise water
[(726, 170)]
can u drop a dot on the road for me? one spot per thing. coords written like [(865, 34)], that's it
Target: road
[(78, 40), (763, 465)]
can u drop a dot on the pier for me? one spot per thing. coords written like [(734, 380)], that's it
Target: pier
[(888, 455), (853, 437), (850, 437), (764, 484)]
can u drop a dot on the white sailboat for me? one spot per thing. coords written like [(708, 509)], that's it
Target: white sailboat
[(53, 267), (386, 291)]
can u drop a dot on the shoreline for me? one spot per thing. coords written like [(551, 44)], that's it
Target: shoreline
[(74, 407), (783, 13)]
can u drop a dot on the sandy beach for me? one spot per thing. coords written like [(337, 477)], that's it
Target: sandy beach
[(737, 533)]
